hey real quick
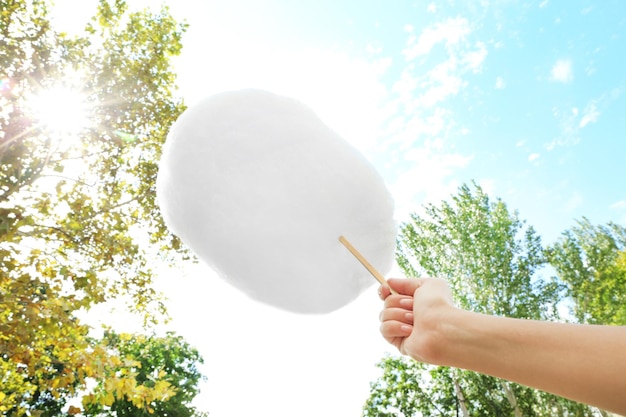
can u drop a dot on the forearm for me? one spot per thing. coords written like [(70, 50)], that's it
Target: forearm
[(580, 362)]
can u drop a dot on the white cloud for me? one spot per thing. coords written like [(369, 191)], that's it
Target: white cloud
[(590, 115), (432, 8), (428, 89), (543, 4), (450, 32), (618, 205), (429, 179), (569, 129), (562, 141), (562, 71), (425, 170), (474, 59), (374, 48), (431, 125), (442, 82), (575, 201), (402, 133), (424, 88), (572, 120), (500, 84), (533, 157), (405, 86)]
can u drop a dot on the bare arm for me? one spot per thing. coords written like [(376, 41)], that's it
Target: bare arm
[(582, 362)]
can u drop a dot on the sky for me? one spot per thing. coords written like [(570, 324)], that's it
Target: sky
[(526, 98)]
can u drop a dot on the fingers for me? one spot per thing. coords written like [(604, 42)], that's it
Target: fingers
[(399, 301), (396, 314), (392, 330), (396, 324), (403, 286)]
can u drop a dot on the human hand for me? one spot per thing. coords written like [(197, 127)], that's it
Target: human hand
[(412, 319)]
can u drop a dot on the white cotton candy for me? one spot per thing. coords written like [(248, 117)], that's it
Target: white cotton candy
[(260, 189)]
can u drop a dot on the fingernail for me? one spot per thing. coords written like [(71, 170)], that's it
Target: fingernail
[(408, 316), (406, 328), (406, 302)]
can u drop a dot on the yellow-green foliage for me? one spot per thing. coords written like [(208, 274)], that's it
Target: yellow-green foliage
[(73, 205)]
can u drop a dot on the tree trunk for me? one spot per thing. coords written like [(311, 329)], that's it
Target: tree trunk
[(460, 397), (510, 395)]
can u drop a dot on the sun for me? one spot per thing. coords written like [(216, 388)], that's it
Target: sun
[(60, 110)]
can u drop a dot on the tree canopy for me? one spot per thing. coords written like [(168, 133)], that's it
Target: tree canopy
[(154, 361), (591, 261), (494, 264), (82, 121)]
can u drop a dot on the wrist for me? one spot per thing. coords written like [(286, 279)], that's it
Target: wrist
[(475, 341), (440, 329)]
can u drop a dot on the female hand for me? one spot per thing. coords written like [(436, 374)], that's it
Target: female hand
[(412, 319), (584, 363)]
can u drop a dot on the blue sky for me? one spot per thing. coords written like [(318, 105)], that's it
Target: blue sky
[(530, 95), (524, 97)]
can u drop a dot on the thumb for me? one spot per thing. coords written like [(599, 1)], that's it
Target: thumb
[(405, 286)]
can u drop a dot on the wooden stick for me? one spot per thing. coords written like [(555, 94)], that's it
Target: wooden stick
[(365, 263)]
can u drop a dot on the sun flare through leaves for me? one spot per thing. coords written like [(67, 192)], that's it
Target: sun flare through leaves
[(60, 110)]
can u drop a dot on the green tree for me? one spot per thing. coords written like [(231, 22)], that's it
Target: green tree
[(78, 216), (591, 260), (492, 262), (155, 360)]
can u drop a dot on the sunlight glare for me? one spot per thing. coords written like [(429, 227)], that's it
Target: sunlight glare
[(60, 110)]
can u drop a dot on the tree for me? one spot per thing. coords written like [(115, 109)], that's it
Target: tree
[(78, 218), (155, 360), (492, 262), (591, 260)]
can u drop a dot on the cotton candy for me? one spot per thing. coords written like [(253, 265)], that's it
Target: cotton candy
[(260, 189)]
